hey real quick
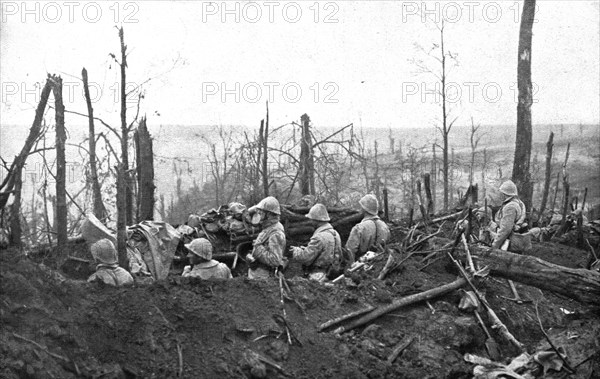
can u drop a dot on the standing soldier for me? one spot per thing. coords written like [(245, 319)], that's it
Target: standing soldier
[(371, 232), (325, 242), (509, 220), (268, 247)]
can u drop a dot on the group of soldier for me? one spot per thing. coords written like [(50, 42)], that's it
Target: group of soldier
[(269, 255)]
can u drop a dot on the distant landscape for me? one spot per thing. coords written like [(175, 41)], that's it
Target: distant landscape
[(185, 147)]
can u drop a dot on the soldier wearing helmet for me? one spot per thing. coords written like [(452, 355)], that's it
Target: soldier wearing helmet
[(325, 242), (202, 265), (509, 218), (371, 232), (268, 247), (108, 270)]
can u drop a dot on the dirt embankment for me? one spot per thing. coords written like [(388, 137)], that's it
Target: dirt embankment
[(53, 327)]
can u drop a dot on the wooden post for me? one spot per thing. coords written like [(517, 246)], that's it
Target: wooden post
[(99, 209), (549, 146), (61, 169)]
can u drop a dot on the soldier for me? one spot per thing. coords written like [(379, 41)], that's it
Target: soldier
[(268, 247), (325, 242), (204, 267), (108, 270), (509, 220), (371, 232)]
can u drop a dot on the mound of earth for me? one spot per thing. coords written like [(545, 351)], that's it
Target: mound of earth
[(54, 326)]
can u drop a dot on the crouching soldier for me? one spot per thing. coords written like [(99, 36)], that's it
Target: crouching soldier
[(202, 265), (268, 247), (325, 243), (108, 270), (371, 232)]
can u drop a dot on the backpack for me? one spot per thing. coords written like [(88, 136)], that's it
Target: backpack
[(342, 258)]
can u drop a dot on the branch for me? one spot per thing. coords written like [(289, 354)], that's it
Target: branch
[(95, 118)]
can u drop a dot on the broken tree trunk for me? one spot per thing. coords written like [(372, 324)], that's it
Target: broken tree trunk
[(13, 181), (427, 184), (265, 155), (121, 217), (145, 172), (521, 173), (125, 133), (396, 304), (99, 209), (61, 169), (578, 284), (549, 146)]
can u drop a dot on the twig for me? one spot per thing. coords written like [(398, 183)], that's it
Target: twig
[(180, 356), (469, 258), (563, 358), (164, 318), (402, 345), (430, 263), (287, 330), (345, 317), (272, 364), (497, 324), (43, 348)]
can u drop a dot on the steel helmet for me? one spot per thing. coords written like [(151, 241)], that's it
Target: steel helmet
[(370, 204), (509, 188), (318, 212), (194, 221), (201, 247), (269, 204), (104, 251), (237, 208)]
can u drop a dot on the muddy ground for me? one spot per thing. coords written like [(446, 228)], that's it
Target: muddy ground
[(57, 326)]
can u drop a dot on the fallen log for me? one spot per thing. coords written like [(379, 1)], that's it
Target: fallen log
[(578, 284), (408, 300)]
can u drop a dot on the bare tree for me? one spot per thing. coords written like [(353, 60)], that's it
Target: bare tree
[(99, 209), (446, 60), (521, 171)]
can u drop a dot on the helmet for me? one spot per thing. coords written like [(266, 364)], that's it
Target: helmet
[(509, 188), (237, 208), (318, 212), (194, 221), (201, 247), (370, 204), (104, 251), (269, 204)]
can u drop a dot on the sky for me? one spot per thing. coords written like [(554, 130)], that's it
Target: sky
[(218, 63)]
